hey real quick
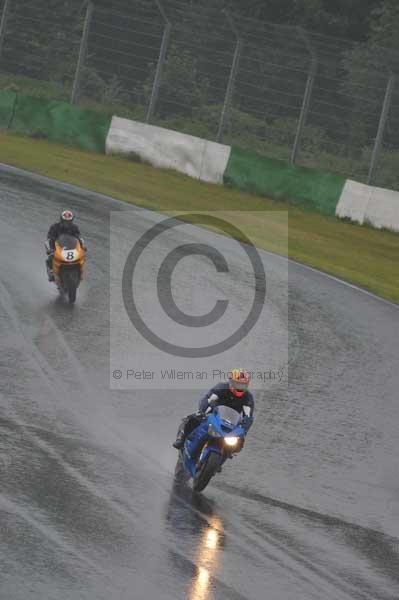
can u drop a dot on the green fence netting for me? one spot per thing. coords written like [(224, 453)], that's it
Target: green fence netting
[(276, 179), (7, 105), (60, 122)]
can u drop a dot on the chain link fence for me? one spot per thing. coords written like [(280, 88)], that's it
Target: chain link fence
[(291, 94)]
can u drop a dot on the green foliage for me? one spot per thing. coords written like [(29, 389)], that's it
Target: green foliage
[(381, 55), (45, 39), (344, 18), (183, 89), (387, 172), (104, 91), (40, 60), (33, 87), (385, 23)]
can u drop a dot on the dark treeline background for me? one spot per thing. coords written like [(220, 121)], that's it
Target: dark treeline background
[(353, 46), (343, 18)]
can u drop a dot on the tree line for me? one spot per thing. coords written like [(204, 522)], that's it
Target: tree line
[(355, 43)]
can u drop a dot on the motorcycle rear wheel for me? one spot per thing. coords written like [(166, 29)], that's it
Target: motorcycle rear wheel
[(207, 471)]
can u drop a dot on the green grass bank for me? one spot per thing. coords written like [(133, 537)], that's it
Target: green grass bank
[(360, 255)]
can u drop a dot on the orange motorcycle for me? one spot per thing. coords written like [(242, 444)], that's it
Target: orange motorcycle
[(68, 265)]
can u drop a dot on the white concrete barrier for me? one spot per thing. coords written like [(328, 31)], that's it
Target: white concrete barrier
[(168, 149), (353, 201), (207, 161), (366, 204), (214, 162), (383, 209)]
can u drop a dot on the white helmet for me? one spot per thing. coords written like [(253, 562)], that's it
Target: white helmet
[(67, 216)]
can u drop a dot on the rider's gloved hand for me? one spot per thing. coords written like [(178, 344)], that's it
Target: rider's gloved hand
[(246, 422), (200, 414)]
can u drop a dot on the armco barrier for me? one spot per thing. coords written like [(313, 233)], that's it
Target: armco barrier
[(7, 105), (273, 178), (168, 149), (60, 122)]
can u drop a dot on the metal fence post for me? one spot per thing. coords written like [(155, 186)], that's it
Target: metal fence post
[(306, 98), (232, 77), (161, 61), (381, 127), (82, 53), (3, 23), (304, 110)]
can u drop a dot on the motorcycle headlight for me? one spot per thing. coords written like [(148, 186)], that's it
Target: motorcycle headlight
[(212, 431), (231, 441)]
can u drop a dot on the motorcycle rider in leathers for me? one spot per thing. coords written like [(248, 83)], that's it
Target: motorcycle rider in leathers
[(233, 393), (64, 225)]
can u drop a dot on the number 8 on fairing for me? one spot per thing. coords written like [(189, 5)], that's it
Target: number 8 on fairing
[(69, 255)]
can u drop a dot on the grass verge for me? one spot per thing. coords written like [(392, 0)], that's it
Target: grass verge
[(360, 255)]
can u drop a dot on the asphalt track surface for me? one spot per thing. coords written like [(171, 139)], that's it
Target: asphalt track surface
[(88, 505)]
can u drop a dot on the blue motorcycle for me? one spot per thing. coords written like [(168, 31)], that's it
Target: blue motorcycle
[(217, 438)]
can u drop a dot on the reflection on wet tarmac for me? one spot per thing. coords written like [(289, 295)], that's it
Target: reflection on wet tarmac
[(207, 555), (193, 517), (309, 516)]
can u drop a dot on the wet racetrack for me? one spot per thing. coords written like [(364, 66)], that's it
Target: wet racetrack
[(88, 505)]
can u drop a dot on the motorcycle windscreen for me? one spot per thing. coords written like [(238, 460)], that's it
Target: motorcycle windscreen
[(229, 415), (67, 242)]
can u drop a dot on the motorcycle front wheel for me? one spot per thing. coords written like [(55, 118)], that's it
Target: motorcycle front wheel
[(70, 280), (207, 471), (72, 295)]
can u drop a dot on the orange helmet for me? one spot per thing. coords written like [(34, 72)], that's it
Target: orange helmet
[(238, 382)]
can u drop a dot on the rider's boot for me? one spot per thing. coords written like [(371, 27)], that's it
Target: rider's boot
[(181, 435), (180, 438), (179, 443), (50, 273), (188, 424)]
